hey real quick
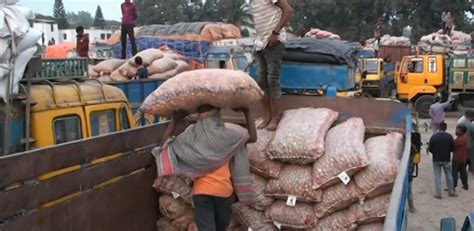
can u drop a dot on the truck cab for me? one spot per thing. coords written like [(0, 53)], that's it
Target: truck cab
[(373, 72), (227, 58), (61, 112), (419, 79)]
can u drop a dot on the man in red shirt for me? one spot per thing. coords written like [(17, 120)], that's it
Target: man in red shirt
[(129, 15), (82, 44), (460, 156)]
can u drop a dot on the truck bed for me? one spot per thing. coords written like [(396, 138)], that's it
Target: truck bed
[(109, 184)]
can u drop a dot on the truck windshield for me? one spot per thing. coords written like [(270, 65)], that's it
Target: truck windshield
[(372, 66), (241, 62)]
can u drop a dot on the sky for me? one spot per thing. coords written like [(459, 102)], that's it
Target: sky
[(110, 8)]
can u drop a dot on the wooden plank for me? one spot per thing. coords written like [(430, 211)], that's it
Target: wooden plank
[(29, 197), (35, 163), (130, 204)]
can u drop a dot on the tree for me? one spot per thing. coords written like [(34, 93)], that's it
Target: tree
[(59, 14), (81, 18), (99, 20)]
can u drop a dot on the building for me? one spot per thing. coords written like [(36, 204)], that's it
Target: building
[(49, 28), (95, 35)]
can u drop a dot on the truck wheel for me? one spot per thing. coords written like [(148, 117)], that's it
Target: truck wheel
[(422, 105)]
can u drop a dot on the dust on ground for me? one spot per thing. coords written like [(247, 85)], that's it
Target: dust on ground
[(430, 211)]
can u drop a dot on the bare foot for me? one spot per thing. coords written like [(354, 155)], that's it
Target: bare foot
[(262, 123), (438, 197), (273, 125)]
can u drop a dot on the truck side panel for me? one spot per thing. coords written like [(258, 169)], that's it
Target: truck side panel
[(111, 190)]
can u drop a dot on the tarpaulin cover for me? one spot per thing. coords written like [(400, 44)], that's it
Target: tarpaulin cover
[(191, 50), (178, 28), (310, 50)]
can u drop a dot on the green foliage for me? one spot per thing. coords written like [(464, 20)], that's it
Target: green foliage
[(99, 20), (81, 18), (59, 14)]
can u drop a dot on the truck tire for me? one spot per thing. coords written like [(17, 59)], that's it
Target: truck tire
[(422, 105)]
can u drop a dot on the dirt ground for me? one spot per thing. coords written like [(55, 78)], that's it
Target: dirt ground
[(430, 211)]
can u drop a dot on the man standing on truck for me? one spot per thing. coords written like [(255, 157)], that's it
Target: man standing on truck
[(82, 43), (437, 114), (270, 17), (441, 145), (215, 156), (129, 15)]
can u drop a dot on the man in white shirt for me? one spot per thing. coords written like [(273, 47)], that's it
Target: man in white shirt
[(270, 18)]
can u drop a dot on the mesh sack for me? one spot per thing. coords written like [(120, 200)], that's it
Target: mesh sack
[(336, 198), (191, 89), (383, 153), (294, 180), (371, 211), (148, 56), (108, 66), (345, 152), (173, 208), (165, 224), (165, 75), (299, 138), (259, 183), (371, 227), (183, 222), (175, 185), (301, 216), (259, 161), (251, 218), (340, 221), (161, 65), (127, 70)]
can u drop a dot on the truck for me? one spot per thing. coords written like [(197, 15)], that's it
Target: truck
[(104, 183), (422, 77), (396, 53), (296, 77)]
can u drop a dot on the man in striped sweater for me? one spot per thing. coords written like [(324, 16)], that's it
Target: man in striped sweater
[(270, 18)]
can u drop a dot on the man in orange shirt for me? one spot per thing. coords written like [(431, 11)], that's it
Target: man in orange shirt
[(461, 146), (215, 156)]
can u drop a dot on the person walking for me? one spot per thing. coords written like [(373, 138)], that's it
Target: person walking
[(437, 114), (460, 156), (215, 156), (441, 145), (129, 15), (270, 18), (467, 120)]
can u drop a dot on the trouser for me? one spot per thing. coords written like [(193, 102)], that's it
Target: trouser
[(459, 169), (212, 213), (128, 30), (447, 169), (434, 127), (269, 66), (445, 29)]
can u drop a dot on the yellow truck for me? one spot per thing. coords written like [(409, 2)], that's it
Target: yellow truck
[(370, 73)]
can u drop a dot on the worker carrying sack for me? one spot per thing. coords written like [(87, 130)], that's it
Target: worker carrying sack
[(189, 90)]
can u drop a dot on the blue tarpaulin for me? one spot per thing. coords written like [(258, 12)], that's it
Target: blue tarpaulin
[(191, 50)]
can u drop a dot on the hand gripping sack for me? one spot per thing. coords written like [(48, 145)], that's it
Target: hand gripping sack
[(336, 198), (108, 66), (259, 161), (174, 185), (259, 184), (148, 56), (371, 211), (189, 90), (345, 152), (252, 218), (383, 153), (173, 208), (299, 138), (301, 216), (294, 180)]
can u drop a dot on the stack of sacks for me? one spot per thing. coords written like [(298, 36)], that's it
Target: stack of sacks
[(459, 41), (388, 40), (175, 203), (321, 34), (320, 178), (15, 28), (161, 65)]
